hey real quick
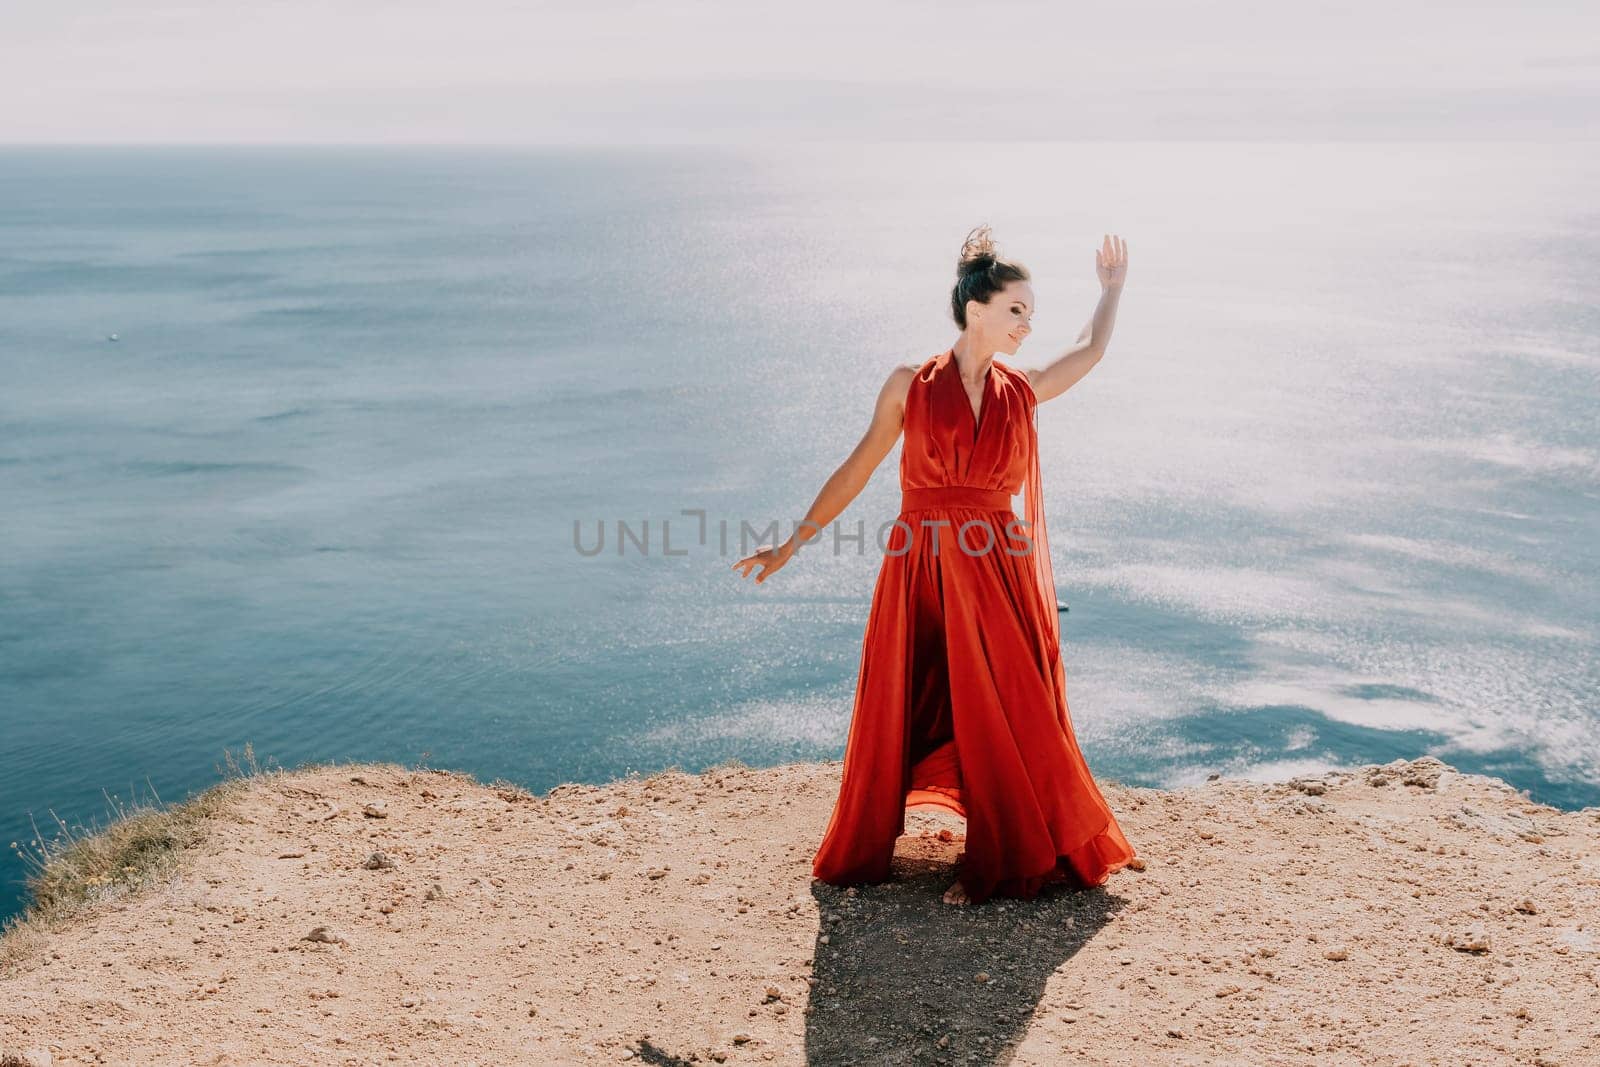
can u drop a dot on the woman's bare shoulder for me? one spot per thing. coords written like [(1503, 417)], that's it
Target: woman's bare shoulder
[(1023, 376), (897, 386)]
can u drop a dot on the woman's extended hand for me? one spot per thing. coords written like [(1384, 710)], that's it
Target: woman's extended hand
[(769, 559), (1111, 262)]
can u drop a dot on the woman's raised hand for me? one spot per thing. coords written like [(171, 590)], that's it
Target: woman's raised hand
[(1111, 262), (768, 558)]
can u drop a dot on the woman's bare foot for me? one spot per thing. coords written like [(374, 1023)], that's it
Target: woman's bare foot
[(957, 894)]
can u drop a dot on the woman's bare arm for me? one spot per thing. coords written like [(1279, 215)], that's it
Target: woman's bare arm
[(888, 418), (1056, 377)]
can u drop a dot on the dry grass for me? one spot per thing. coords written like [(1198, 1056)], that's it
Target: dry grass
[(142, 845)]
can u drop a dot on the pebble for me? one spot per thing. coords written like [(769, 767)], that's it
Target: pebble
[(1470, 939), (325, 934)]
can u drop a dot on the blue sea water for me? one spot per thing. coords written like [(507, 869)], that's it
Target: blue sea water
[(1332, 497)]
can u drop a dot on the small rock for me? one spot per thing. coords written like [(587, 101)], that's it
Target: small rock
[(1423, 772), (379, 861), (1136, 864), (435, 892), (1338, 952), (325, 934), (378, 809), (1527, 908), (981, 977), (1470, 939)]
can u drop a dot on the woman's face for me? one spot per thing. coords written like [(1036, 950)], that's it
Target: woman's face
[(1005, 321)]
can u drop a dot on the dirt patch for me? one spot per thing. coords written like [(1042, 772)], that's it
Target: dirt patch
[(368, 914)]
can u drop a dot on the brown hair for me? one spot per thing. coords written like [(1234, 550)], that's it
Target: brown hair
[(981, 273)]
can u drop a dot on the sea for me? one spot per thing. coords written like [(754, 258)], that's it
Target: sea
[(443, 456)]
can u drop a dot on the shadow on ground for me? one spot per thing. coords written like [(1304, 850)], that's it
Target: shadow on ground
[(900, 969)]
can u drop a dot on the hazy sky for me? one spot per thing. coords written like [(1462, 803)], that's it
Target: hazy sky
[(495, 71)]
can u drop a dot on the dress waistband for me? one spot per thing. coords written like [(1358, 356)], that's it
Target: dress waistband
[(954, 496)]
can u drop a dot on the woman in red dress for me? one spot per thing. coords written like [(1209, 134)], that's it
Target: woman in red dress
[(961, 702)]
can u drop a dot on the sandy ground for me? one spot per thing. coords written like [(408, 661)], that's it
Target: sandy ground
[(1398, 915)]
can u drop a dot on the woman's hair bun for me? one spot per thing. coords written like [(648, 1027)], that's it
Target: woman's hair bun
[(978, 252)]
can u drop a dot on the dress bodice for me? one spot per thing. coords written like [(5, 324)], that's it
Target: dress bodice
[(950, 460), (944, 444)]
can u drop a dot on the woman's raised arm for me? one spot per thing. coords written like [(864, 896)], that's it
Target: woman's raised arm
[(1061, 374)]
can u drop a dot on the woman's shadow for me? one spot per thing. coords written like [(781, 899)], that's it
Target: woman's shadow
[(902, 977)]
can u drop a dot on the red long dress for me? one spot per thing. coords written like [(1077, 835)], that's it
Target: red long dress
[(961, 701)]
